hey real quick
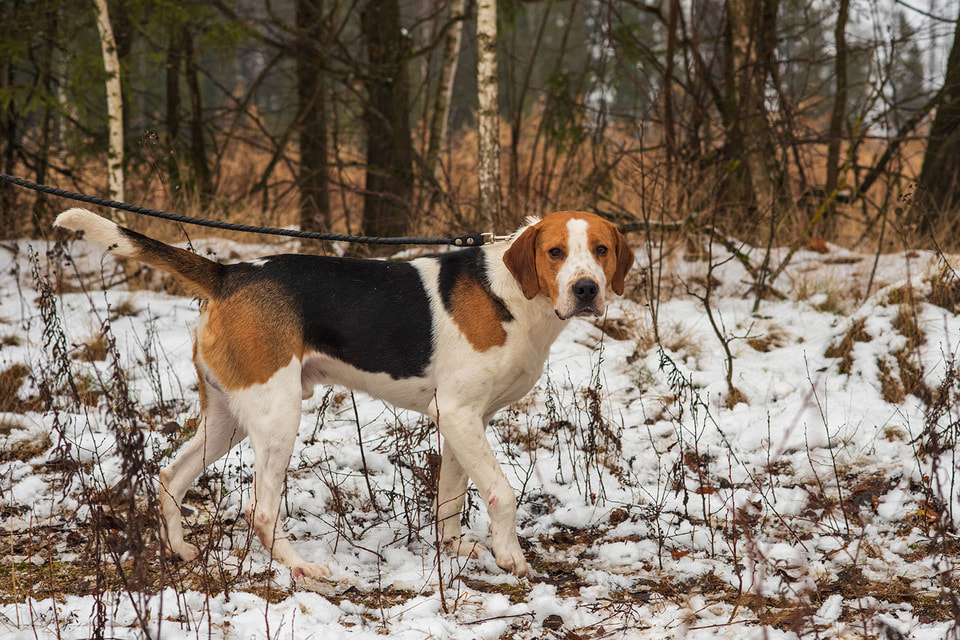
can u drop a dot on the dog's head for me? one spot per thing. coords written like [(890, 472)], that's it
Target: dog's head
[(573, 258)]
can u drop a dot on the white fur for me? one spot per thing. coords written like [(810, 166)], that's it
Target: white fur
[(579, 263), (102, 232)]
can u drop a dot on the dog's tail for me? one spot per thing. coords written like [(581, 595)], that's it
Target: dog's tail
[(202, 275)]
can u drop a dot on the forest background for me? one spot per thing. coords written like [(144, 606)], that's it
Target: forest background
[(775, 121)]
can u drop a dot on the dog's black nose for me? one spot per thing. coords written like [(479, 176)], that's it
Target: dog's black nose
[(585, 289)]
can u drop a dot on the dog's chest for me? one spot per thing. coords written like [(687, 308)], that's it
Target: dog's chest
[(496, 377)]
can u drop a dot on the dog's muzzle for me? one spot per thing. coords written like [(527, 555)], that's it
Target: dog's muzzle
[(586, 299)]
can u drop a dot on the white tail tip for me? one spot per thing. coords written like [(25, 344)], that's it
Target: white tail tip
[(96, 229)]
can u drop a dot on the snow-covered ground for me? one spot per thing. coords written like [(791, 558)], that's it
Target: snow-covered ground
[(822, 505)]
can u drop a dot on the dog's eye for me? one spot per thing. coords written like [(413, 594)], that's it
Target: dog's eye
[(601, 251), (556, 253)]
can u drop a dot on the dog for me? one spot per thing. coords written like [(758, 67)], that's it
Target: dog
[(456, 336)]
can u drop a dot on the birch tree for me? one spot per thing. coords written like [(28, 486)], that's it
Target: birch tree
[(488, 115), (111, 64)]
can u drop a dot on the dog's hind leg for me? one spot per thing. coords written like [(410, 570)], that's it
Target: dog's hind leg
[(451, 491), (270, 412), (217, 433)]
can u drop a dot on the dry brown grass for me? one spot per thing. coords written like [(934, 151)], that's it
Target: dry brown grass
[(890, 387), (844, 349), (611, 176), (27, 449), (11, 379), (944, 290), (94, 349), (772, 338)]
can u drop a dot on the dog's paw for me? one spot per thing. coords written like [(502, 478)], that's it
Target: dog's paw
[(311, 570), (512, 560), (329, 587), (183, 552), (465, 546)]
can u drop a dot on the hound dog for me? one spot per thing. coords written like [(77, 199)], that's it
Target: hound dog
[(456, 337)]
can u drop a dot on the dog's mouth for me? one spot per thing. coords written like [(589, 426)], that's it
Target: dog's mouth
[(583, 310)]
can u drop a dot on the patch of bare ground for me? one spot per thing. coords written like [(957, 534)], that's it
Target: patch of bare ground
[(844, 348), (11, 380)]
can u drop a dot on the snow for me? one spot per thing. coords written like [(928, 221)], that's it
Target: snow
[(660, 510)]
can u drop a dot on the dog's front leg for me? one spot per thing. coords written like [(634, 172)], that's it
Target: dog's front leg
[(465, 438)]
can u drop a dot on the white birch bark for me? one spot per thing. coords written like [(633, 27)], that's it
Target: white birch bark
[(111, 65), (488, 116)]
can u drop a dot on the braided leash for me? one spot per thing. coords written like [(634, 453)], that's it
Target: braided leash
[(468, 240)]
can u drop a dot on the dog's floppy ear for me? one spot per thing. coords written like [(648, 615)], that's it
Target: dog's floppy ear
[(521, 260), (624, 264)]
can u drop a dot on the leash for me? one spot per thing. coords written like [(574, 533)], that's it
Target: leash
[(467, 240)]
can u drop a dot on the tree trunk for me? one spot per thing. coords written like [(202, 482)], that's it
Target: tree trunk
[(488, 116), (389, 183), (669, 127), (755, 178), (839, 107), (313, 176), (111, 65), (46, 65), (940, 172), (172, 116), (124, 33), (441, 104), (519, 190), (9, 150), (737, 62), (198, 147)]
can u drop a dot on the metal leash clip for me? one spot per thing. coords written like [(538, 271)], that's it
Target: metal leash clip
[(489, 237)]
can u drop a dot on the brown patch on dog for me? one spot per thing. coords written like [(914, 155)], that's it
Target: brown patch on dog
[(521, 260), (622, 264), (201, 383), (479, 314), (246, 337), (554, 234)]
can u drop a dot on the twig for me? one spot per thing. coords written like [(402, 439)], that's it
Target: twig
[(507, 616), (363, 457)]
